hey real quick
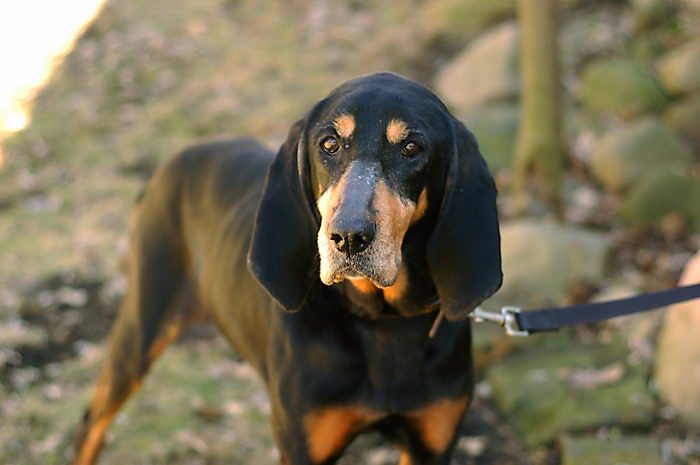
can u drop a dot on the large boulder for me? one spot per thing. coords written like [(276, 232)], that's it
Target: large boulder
[(684, 118), (484, 71), (589, 450), (542, 262), (554, 386), (659, 193), (625, 154), (496, 127), (680, 69), (586, 34), (620, 86), (450, 23), (678, 358), (693, 6)]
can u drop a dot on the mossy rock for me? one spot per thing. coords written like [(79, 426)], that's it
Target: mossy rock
[(620, 86), (485, 71), (650, 14), (542, 261), (684, 118), (451, 23), (659, 193), (496, 128), (626, 154), (679, 70), (543, 389), (595, 451)]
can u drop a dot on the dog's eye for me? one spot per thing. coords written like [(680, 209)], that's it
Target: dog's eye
[(330, 144), (411, 149)]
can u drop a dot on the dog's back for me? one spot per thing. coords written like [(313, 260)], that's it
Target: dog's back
[(220, 184)]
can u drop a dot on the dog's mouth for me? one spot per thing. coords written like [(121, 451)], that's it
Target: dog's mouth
[(359, 270)]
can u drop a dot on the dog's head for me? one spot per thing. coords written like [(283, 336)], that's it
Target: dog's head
[(379, 157)]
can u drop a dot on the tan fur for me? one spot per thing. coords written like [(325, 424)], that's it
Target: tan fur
[(394, 293), (437, 422), (421, 207), (396, 131), (327, 204), (344, 125), (329, 200), (101, 402), (393, 218), (93, 442), (329, 430), (364, 286)]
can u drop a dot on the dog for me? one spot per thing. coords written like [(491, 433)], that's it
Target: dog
[(328, 266)]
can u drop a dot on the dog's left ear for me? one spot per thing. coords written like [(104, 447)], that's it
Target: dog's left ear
[(463, 253), (282, 254)]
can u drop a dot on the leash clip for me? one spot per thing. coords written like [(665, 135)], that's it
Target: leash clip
[(507, 318)]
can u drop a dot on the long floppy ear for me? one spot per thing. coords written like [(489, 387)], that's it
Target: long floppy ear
[(463, 253), (282, 254)]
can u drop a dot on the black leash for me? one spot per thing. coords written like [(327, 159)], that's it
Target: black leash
[(518, 322)]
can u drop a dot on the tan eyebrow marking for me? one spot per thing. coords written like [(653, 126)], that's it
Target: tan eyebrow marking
[(344, 125), (396, 131)]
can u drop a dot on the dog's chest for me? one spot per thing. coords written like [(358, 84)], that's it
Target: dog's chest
[(389, 370)]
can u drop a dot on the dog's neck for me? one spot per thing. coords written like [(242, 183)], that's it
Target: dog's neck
[(412, 294)]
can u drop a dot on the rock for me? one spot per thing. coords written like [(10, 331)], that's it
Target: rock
[(692, 5), (624, 155), (684, 118), (638, 330), (678, 356), (541, 262), (658, 194), (486, 70), (496, 127), (454, 22), (586, 34), (617, 451), (620, 86), (450, 23), (647, 14), (553, 386), (679, 70)]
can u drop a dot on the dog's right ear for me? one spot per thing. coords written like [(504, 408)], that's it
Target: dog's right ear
[(282, 254)]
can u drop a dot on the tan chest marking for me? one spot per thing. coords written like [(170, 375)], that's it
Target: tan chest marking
[(328, 430), (396, 131), (436, 423), (344, 125)]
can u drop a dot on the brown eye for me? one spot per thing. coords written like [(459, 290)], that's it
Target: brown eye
[(410, 150), (330, 144)]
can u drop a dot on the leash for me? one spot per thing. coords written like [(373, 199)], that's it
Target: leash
[(519, 322)]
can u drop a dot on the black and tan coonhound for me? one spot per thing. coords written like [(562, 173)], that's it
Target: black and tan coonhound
[(322, 266)]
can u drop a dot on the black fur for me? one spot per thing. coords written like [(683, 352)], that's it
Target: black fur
[(194, 249)]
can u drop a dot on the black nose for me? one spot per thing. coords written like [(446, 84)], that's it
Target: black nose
[(352, 236)]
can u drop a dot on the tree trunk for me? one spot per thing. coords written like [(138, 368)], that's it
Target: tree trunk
[(539, 148)]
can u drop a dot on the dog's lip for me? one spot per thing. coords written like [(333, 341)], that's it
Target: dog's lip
[(347, 273), (353, 274)]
